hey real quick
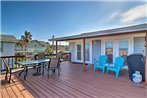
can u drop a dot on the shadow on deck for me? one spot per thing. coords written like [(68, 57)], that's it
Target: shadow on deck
[(73, 82)]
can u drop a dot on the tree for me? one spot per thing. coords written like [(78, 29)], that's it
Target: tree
[(25, 39), (66, 47), (48, 50), (61, 51)]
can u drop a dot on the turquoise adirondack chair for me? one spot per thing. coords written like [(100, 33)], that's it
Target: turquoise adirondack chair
[(119, 61), (101, 63)]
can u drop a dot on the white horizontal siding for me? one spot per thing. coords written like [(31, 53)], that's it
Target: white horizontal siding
[(8, 49), (115, 39), (139, 45)]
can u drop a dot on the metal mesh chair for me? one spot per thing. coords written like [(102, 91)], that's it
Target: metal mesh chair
[(53, 65), (8, 70), (41, 55)]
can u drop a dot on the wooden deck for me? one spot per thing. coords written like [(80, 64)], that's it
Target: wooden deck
[(73, 83)]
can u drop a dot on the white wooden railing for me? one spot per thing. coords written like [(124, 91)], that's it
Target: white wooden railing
[(29, 50)]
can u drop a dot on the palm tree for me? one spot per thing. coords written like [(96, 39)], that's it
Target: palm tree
[(25, 39)]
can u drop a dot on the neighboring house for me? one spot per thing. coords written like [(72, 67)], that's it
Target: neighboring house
[(61, 47), (33, 46), (7, 45), (113, 42)]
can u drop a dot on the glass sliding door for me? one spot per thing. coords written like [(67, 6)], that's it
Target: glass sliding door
[(87, 48), (78, 51), (109, 51), (123, 50)]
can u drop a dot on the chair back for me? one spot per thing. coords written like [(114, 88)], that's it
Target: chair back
[(59, 55), (136, 62), (54, 62), (6, 64), (102, 60), (119, 62), (41, 55), (110, 58)]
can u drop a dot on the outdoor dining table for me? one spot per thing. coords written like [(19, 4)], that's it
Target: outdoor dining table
[(31, 63)]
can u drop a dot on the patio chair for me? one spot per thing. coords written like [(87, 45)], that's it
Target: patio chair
[(110, 58), (53, 65), (8, 70), (136, 62), (59, 55), (41, 55), (119, 61), (101, 63)]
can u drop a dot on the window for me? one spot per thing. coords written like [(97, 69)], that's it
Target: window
[(87, 51), (109, 51), (78, 52), (139, 45), (1, 46), (123, 50)]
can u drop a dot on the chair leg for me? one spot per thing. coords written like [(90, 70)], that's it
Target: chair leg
[(48, 72), (54, 70), (94, 69), (117, 73), (103, 70), (34, 68), (26, 72), (10, 76), (6, 77), (43, 69), (107, 71), (60, 67), (58, 71), (39, 69)]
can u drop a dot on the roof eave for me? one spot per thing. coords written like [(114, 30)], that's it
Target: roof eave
[(110, 34)]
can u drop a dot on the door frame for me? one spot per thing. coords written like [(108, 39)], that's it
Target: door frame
[(114, 50), (81, 53), (117, 46)]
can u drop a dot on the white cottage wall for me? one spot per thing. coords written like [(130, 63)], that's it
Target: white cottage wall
[(8, 49), (115, 39)]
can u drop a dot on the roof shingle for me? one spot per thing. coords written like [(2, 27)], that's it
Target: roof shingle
[(8, 38)]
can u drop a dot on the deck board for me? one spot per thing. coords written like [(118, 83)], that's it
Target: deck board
[(16, 90), (10, 91), (4, 92), (73, 82)]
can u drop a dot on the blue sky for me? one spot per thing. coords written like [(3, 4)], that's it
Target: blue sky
[(61, 18)]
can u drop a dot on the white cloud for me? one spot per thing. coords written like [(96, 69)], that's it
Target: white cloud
[(133, 14), (113, 15)]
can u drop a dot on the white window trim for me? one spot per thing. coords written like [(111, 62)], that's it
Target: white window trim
[(81, 53), (129, 46), (114, 50)]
